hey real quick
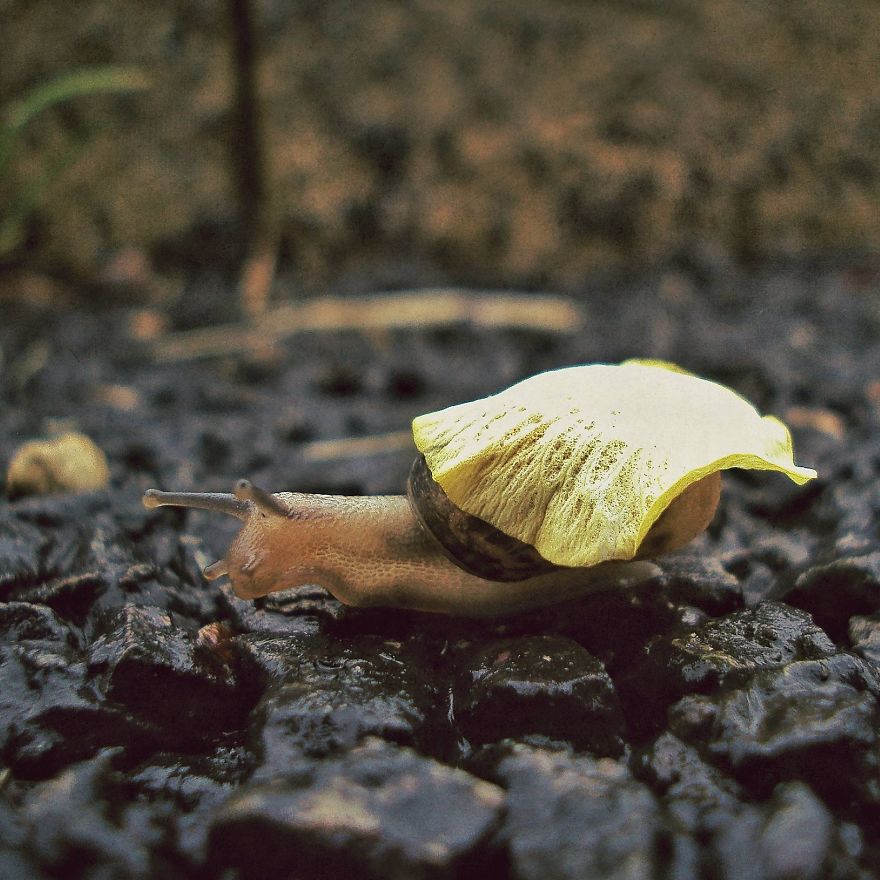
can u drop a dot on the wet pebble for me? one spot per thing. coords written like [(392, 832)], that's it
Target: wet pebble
[(811, 719), (544, 685), (52, 717), (702, 581), (323, 696), (836, 591), (864, 636), (157, 670), (790, 836), (721, 650), (376, 811), (79, 819), (686, 781), (614, 624), (110, 637), (570, 817)]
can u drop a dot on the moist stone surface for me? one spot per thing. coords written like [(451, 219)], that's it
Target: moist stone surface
[(718, 720)]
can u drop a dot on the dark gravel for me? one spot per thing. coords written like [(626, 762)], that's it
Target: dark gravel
[(719, 720)]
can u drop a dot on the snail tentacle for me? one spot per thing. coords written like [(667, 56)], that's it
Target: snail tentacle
[(215, 570), (219, 502), (265, 502)]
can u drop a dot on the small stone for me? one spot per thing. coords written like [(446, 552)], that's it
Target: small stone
[(70, 822), (721, 651), (756, 578), (155, 669), (835, 592), (325, 696), (614, 624), (68, 463), (543, 685), (577, 817), (377, 811), (676, 769), (701, 581), (815, 720), (864, 636), (50, 713), (20, 621), (796, 840), (196, 785)]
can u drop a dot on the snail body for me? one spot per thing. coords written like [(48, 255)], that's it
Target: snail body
[(370, 551), (516, 501)]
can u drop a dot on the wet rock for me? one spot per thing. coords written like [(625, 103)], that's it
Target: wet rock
[(22, 548), (834, 592), (864, 636), (323, 696), (85, 561), (576, 817), (790, 836), (297, 612), (70, 595), (783, 551), (78, 820), (613, 625), (72, 567), (544, 685), (68, 523), (695, 795), (722, 650), (756, 577), (676, 769), (51, 715), (702, 581), (23, 621), (710, 826), (64, 725), (193, 787), (377, 811), (14, 862), (155, 669), (852, 508), (776, 500), (811, 719), (796, 840)]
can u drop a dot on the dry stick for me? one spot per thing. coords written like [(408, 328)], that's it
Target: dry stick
[(356, 447), (249, 154), (547, 313)]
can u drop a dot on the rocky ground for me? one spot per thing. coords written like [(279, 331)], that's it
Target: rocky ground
[(718, 720)]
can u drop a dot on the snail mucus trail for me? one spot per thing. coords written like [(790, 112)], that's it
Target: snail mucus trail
[(382, 550)]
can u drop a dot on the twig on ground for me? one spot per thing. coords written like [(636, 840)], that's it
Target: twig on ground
[(354, 447), (548, 313)]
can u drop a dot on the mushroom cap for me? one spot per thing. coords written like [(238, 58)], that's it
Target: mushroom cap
[(580, 462)]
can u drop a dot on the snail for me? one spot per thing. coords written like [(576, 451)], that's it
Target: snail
[(565, 483)]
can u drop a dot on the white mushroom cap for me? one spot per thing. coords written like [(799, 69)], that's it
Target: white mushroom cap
[(580, 462)]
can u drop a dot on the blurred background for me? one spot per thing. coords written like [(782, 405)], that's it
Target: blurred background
[(307, 146)]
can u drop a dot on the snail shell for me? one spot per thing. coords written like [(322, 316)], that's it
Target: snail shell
[(470, 542), (579, 466)]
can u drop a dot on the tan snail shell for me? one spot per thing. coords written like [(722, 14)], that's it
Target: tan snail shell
[(552, 488)]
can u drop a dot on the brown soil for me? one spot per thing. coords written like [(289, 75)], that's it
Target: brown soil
[(498, 142)]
